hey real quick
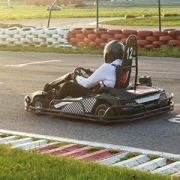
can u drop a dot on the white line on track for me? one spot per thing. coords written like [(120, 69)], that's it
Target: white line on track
[(26, 64), (176, 119), (97, 144)]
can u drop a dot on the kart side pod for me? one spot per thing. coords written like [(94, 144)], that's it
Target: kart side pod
[(145, 80)]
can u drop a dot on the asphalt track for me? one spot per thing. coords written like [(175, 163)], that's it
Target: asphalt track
[(24, 73)]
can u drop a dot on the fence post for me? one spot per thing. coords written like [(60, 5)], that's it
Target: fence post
[(159, 10), (97, 14), (9, 3)]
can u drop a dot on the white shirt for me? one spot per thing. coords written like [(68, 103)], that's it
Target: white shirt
[(105, 73)]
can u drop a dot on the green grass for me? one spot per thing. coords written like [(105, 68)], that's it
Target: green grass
[(15, 13), (93, 149), (165, 52), (22, 165), (150, 21), (130, 155), (78, 50), (33, 12)]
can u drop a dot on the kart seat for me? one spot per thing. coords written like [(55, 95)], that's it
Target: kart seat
[(122, 81), (122, 78), (123, 72)]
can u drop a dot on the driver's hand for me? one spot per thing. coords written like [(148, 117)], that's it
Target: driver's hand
[(89, 72), (72, 76)]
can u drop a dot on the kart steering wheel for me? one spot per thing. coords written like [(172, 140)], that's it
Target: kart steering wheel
[(79, 71)]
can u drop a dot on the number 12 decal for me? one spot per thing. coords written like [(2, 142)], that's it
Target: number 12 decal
[(130, 53)]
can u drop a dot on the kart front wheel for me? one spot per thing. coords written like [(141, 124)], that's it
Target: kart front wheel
[(41, 102)]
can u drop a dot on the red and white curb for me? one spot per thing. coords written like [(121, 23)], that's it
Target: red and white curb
[(113, 155)]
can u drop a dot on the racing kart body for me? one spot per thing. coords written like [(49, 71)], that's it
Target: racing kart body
[(131, 102)]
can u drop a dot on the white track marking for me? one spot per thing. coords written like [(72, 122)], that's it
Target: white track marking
[(26, 64), (176, 119)]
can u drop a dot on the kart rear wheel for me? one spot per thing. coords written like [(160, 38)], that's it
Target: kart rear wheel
[(100, 111), (41, 102)]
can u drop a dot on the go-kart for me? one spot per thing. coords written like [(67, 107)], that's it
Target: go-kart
[(125, 102)]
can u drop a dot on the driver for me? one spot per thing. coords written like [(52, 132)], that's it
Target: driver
[(106, 73)]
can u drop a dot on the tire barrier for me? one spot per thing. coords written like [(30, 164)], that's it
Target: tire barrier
[(25, 31), (12, 30), (129, 32), (100, 31), (31, 36), (98, 38), (144, 33), (112, 31), (178, 37), (99, 41), (106, 36), (151, 38), (1, 31), (76, 31), (50, 31), (120, 36), (165, 38), (87, 31), (93, 37), (160, 33), (174, 33)]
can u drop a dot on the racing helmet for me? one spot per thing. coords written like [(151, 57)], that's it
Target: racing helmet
[(113, 50)]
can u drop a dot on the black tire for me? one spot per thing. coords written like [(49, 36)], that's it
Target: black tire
[(101, 109), (42, 102)]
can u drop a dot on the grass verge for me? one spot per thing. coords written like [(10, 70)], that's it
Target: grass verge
[(18, 164), (165, 52), (150, 21), (15, 13)]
